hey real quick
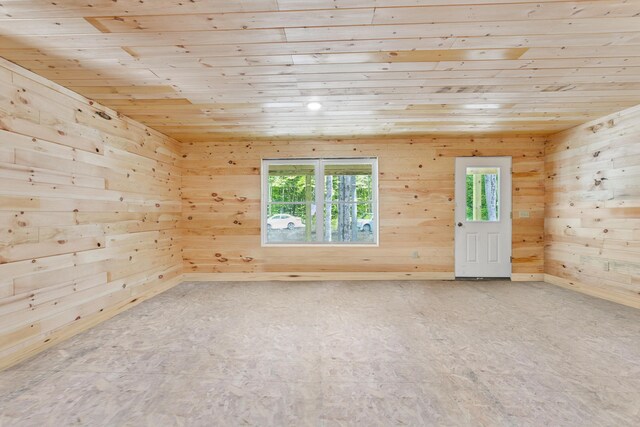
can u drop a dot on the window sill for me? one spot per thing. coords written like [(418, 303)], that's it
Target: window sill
[(320, 245)]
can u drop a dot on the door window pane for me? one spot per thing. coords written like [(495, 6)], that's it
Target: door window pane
[(483, 194)]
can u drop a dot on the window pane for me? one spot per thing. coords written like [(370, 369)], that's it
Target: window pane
[(291, 183), (287, 223), (348, 183), (349, 223), (483, 193)]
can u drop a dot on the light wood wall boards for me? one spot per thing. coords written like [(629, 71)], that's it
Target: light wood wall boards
[(247, 68), (221, 209), (592, 218), (89, 212)]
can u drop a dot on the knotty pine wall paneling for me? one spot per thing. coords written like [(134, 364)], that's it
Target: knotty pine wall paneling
[(221, 209), (89, 213), (592, 218)]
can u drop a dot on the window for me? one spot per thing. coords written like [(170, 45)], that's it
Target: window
[(320, 201), (483, 192)]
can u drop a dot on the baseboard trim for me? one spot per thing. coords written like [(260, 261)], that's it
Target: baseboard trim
[(85, 323), (527, 277), (244, 277), (628, 298)]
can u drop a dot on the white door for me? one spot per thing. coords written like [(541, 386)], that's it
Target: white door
[(483, 217)]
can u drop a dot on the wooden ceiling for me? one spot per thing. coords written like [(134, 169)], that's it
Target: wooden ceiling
[(208, 69)]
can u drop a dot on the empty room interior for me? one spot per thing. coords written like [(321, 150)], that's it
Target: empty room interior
[(320, 212)]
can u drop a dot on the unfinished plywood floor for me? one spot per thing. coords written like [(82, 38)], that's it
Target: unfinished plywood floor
[(342, 353)]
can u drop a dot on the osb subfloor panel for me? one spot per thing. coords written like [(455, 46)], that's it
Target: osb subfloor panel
[(342, 353)]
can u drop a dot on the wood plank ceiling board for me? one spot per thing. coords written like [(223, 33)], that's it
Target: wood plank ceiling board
[(247, 69)]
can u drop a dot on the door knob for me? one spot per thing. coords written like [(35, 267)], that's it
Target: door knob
[(459, 224)]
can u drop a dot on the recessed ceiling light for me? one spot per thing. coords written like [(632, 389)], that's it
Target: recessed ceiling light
[(314, 106)]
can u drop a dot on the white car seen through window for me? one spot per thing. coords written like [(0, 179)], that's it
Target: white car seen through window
[(282, 221)]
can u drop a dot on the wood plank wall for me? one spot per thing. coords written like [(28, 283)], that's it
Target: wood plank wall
[(89, 213), (592, 230), (221, 209)]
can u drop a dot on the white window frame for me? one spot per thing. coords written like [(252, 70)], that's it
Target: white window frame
[(319, 164)]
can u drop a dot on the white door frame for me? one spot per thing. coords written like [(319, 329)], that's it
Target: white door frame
[(490, 239)]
